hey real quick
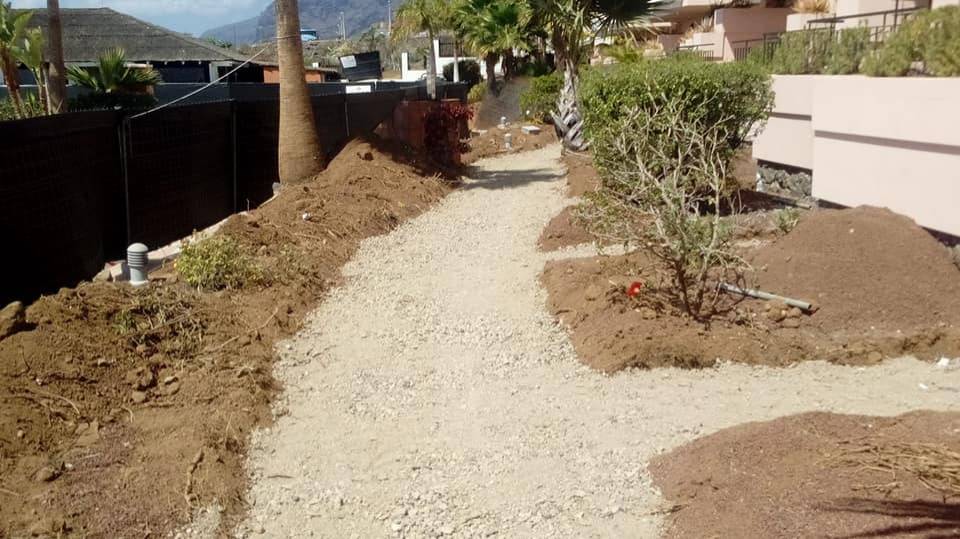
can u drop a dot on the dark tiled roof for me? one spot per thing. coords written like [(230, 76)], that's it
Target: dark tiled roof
[(88, 33)]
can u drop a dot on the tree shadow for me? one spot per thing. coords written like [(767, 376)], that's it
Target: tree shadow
[(509, 179), (941, 520)]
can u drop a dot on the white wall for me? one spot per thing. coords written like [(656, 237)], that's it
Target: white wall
[(890, 142)]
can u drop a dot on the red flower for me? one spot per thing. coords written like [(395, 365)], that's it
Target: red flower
[(635, 289)]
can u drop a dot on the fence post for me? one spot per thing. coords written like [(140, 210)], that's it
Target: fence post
[(123, 132), (233, 152)]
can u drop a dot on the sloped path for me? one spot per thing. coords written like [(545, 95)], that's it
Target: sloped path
[(433, 395)]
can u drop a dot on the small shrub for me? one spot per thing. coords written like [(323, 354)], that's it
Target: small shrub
[(469, 72), (931, 38), (802, 52), (848, 51), (787, 219), (477, 93), (735, 97), (31, 108), (541, 97), (217, 263), (443, 125)]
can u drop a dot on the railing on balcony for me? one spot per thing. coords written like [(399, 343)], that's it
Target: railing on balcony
[(881, 24), (703, 50)]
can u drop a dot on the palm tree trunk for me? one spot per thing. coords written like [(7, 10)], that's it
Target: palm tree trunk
[(56, 76), (299, 147), (508, 64), (491, 67), (567, 119), (432, 68)]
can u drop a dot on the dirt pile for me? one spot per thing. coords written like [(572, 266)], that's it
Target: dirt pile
[(886, 289), (582, 176), (865, 268), (784, 478), (492, 142), (122, 410), (563, 231)]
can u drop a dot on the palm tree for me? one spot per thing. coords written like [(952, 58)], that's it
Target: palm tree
[(57, 71), (299, 146), (493, 28), (30, 54), (113, 75), (13, 26), (430, 16), (573, 24)]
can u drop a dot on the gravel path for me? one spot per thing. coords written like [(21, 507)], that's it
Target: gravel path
[(433, 395)]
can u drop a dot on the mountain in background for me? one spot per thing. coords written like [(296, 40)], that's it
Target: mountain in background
[(321, 15)]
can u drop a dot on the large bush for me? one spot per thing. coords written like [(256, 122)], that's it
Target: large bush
[(663, 134), (734, 96), (469, 72), (541, 96), (802, 52), (931, 39)]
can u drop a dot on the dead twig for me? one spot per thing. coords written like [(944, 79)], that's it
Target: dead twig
[(10, 492), (262, 326), (935, 466), (38, 393)]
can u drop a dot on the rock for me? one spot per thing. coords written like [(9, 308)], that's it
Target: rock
[(20, 434), (593, 292), (171, 389), (48, 473), (141, 378), (104, 362), (791, 323), (12, 319), (794, 312), (138, 397), (874, 357), (647, 313)]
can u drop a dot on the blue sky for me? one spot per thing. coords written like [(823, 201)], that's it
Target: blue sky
[(192, 16)]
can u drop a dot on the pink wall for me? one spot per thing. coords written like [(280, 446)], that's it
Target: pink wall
[(738, 24), (890, 142)]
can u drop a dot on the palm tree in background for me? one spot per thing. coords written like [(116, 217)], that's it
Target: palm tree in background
[(13, 27), (113, 75), (430, 16), (573, 26), (57, 71), (493, 29), (299, 146)]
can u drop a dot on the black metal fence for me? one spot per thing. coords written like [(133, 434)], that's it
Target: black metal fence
[(76, 189)]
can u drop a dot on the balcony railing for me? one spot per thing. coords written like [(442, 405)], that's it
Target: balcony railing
[(703, 50)]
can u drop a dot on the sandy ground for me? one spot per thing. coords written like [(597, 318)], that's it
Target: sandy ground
[(433, 395)]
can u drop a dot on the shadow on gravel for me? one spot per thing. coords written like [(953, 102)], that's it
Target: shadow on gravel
[(940, 519), (509, 179)]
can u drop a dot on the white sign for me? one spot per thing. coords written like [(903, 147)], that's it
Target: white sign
[(348, 61), (359, 89)]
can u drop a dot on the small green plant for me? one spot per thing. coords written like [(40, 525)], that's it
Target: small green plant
[(848, 51), (477, 93), (30, 107), (802, 52), (931, 39), (217, 263), (787, 219), (124, 322), (541, 97)]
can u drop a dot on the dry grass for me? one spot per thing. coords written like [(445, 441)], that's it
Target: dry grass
[(934, 465), (812, 6)]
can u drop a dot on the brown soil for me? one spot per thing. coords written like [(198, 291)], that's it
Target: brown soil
[(885, 290), (744, 167), (134, 405), (563, 231), (582, 177), (783, 478), (491, 143)]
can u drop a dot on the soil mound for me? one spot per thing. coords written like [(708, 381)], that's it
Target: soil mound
[(783, 478), (123, 410), (865, 268), (563, 231), (582, 176), (492, 143)]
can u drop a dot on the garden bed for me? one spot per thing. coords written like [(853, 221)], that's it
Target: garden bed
[(803, 476), (864, 269), (491, 143), (124, 410)]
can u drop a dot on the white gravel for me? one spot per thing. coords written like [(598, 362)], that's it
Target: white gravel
[(433, 395)]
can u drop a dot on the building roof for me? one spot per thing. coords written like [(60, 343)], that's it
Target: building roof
[(88, 33)]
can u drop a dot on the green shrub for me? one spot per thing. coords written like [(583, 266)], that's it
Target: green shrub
[(477, 93), (847, 51), (217, 263), (734, 96), (931, 37), (469, 72), (802, 52), (534, 68), (541, 97)]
